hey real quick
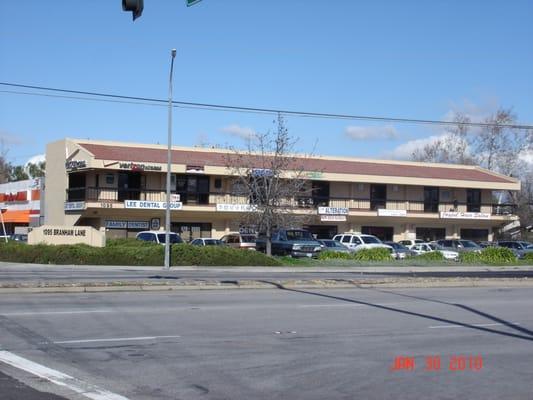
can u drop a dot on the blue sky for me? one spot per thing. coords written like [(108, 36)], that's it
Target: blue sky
[(410, 59)]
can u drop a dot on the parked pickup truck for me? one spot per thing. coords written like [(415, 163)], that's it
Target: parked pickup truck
[(291, 242)]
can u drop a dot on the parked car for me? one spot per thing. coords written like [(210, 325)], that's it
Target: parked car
[(486, 244), (333, 245), (459, 245), (410, 242), (19, 237), (291, 242), (158, 237), (421, 248), (239, 240), (207, 242), (399, 251), (358, 242), (518, 247)]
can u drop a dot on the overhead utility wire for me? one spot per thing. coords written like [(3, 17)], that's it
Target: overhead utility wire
[(223, 107)]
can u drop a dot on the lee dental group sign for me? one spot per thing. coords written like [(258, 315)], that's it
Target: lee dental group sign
[(152, 205)]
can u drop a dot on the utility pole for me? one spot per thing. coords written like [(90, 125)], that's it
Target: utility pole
[(169, 162)]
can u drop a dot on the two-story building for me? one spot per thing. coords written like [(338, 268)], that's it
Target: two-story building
[(121, 187)]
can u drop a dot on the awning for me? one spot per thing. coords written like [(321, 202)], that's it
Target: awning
[(16, 216)]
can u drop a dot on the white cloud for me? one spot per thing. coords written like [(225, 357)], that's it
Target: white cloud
[(404, 151), (36, 159), (239, 131), (387, 132)]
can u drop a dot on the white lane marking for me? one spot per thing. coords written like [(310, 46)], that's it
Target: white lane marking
[(124, 339), (462, 326), (59, 378), (21, 314)]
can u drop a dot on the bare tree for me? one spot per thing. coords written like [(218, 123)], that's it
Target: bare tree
[(273, 178), (5, 166), (452, 148)]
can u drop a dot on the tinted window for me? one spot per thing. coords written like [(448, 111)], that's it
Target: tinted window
[(299, 235), (173, 238), (345, 239), (356, 240), (405, 242), (468, 243), (370, 239), (337, 237), (212, 242), (196, 242)]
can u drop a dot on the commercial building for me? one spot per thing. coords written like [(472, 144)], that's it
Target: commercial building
[(21, 204), (121, 187)]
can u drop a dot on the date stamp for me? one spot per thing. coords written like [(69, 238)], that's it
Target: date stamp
[(436, 363)]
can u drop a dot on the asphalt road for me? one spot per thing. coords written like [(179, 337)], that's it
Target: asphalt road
[(274, 344), (15, 273)]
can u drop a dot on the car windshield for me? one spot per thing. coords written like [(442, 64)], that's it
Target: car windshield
[(212, 242), (299, 235), (248, 238), (529, 246), (434, 246), (370, 239), (173, 238), (331, 243), (468, 243)]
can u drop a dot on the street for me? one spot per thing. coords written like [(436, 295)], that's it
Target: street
[(274, 344)]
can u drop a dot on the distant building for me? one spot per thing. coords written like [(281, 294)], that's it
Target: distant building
[(21, 203), (121, 187)]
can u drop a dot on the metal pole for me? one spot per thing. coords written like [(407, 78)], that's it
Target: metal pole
[(169, 163), (3, 225)]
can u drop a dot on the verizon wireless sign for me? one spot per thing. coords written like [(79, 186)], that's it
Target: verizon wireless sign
[(463, 215)]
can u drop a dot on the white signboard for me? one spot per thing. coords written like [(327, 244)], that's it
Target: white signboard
[(152, 205), (235, 207), (75, 205), (383, 212), (333, 210), (464, 215), (116, 224), (112, 224), (337, 218)]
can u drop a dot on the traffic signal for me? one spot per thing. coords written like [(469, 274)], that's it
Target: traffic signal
[(135, 6)]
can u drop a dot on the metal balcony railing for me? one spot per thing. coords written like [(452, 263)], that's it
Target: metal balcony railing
[(96, 194)]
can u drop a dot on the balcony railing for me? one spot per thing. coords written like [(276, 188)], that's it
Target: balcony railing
[(93, 194)]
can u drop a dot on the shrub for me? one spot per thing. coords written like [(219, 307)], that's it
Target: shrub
[(497, 255), (470, 257), (378, 254), (328, 255), (131, 252), (528, 257), (431, 256)]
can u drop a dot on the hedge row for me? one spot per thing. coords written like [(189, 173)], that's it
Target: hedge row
[(131, 252), (361, 255), (489, 255)]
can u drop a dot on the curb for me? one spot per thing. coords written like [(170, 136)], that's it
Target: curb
[(311, 284)]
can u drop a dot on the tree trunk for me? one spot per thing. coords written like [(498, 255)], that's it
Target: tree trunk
[(268, 242)]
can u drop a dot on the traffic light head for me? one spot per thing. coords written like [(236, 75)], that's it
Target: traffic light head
[(135, 6)]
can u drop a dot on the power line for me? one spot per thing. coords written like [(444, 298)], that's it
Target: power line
[(223, 107)]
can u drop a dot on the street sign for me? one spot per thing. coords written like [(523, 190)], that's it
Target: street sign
[(192, 2)]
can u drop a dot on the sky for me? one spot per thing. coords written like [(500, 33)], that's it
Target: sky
[(408, 59)]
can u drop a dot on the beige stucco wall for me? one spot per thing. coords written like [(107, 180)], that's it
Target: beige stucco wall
[(56, 234), (56, 183)]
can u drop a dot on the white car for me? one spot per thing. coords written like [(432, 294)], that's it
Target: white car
[(356, 242), (158, 237), (410, 242), (421, 248)]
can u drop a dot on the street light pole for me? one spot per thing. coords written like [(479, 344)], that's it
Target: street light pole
[(169, 162)]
